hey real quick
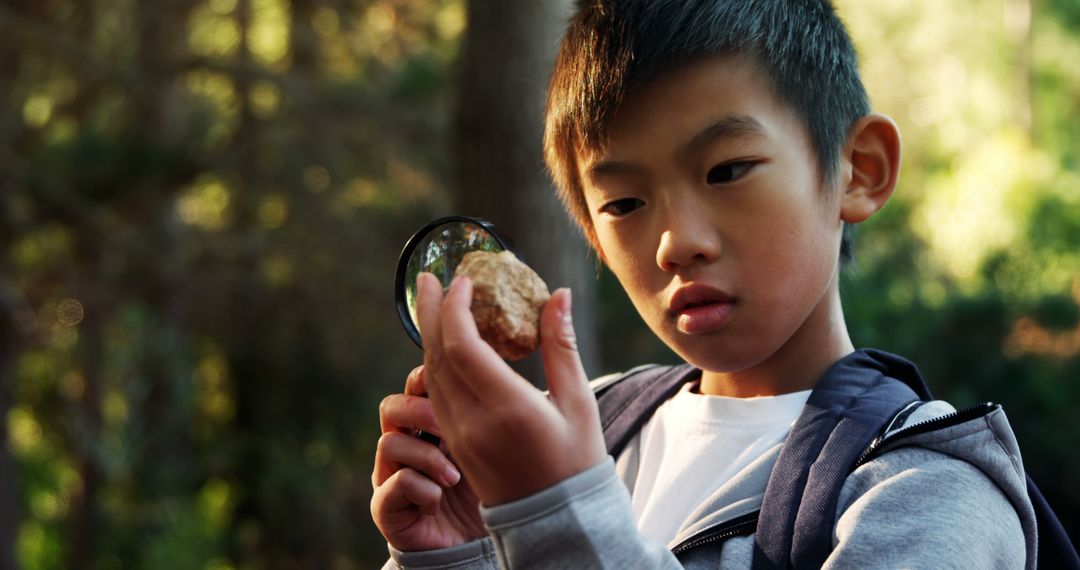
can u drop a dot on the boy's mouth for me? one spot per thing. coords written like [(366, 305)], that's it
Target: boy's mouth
[(700, 308), (696, 296)]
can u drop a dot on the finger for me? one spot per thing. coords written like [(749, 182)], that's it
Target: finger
[(567, 382), (414, 385), (447, 393), (406, 414), (414, 382), (429, 298), (396, 451), (480, 369), (404, 490)]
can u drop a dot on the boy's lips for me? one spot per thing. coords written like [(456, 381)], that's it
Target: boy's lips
[(697, 308)]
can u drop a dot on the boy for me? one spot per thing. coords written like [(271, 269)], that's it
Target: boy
[(712, 153)]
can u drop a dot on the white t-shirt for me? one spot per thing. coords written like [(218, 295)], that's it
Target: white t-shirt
[(694, 444)]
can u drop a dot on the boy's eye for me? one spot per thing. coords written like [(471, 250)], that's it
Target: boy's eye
[(622, 207), (725, 173)]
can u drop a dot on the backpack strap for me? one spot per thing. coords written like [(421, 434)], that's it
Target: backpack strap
[(1056, 549), (628, 402), (847, 409)]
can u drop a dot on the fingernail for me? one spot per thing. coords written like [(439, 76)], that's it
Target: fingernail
[(567, 312), (451, 476), (420, 278), (567, 337)]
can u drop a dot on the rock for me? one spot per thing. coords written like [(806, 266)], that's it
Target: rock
[(508, 297)]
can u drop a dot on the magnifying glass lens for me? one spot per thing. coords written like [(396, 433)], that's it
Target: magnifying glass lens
[(438, 250)]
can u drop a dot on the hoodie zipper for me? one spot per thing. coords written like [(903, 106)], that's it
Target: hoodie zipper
[(948, 420), (745, 524)]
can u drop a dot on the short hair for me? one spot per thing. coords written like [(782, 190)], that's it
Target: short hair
[(612, 47)]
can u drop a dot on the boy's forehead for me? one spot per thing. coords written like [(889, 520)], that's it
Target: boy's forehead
[(702, 100), (734, 126)]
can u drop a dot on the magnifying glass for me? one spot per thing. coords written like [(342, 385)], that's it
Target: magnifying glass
[(438, 248)]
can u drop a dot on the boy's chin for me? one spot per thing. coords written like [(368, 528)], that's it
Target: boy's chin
[(708, 356)]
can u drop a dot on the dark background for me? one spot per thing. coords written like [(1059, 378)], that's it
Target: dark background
[(202, 201)]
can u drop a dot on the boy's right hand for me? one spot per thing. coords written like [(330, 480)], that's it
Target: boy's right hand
[(420, 500)]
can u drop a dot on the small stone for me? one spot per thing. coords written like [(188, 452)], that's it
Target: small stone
[(508, 297)]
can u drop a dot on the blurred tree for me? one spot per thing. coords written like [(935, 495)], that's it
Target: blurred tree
[(507, 55), (201, 205), (9, 504)]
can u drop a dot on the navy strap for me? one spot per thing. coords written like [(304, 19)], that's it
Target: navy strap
[(1056, 549), (627, 404), (844, 413)]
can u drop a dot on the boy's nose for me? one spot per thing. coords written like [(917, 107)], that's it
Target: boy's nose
[(687, 241)]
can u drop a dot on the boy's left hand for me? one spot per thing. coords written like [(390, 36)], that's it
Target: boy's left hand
[(509, 438)]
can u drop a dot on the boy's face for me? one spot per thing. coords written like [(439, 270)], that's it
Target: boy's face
[(708, 193)]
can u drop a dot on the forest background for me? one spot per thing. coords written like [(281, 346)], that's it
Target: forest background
[(202, 202)]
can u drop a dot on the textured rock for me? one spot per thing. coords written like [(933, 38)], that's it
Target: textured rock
[(508, 297)]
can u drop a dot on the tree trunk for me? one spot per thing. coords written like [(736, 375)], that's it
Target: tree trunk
[(9, 505), (508, 52), (85, 519), (10, 339)]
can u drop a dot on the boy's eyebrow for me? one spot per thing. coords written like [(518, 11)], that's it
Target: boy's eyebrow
[(605, 168), (726, 127)]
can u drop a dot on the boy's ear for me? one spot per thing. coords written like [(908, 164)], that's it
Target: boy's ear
[(873, 154)]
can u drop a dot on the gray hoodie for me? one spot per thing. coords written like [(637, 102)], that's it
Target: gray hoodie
[(954, 497)]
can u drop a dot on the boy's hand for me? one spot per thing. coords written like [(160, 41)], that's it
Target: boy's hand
[(509, 439), (420, 500)]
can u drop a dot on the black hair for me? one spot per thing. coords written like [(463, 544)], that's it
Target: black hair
[(612, 47)]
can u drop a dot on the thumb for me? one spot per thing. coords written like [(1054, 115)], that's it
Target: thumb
[(562, 364)]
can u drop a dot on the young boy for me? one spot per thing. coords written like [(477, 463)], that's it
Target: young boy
[(712, 152)]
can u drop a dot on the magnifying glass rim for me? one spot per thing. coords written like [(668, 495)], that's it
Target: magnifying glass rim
[(411, 328)]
